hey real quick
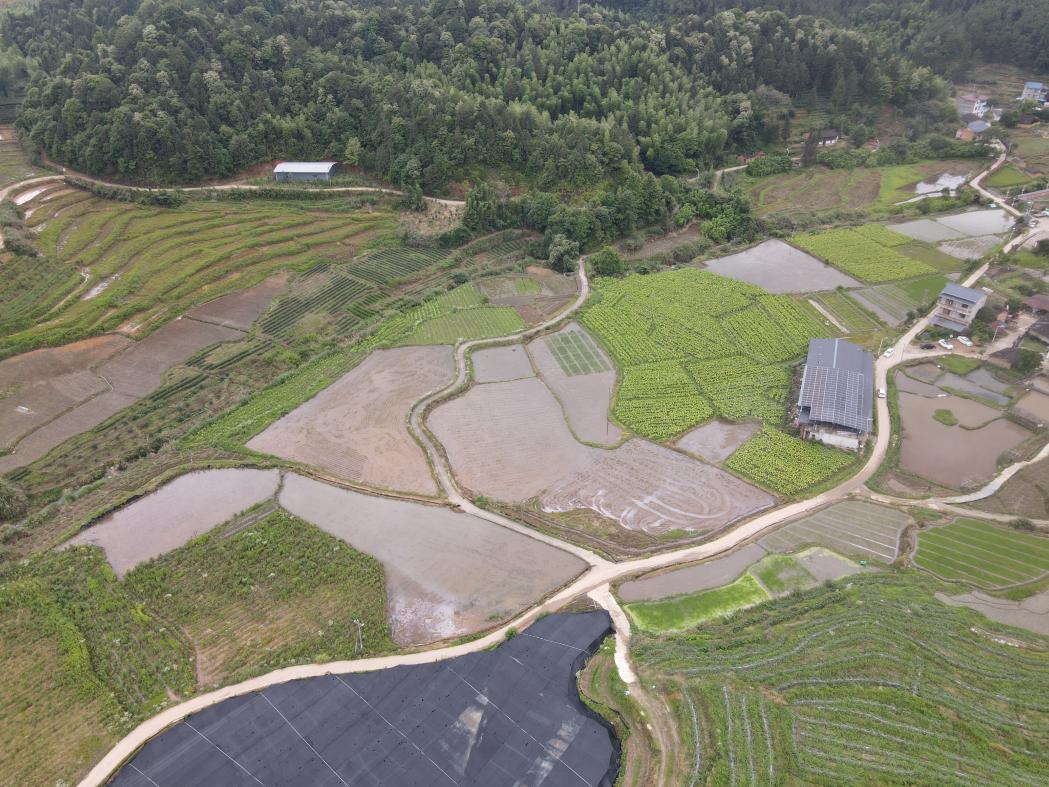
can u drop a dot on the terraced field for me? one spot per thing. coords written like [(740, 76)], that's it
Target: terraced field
[(873, 682), (691, 344), (976, 551), (111, 265)]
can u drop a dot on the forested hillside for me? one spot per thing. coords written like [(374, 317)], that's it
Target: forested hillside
[(176, 90), (948, 35)]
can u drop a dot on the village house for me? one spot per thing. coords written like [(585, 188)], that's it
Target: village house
[(1033, 91), (957, 306)]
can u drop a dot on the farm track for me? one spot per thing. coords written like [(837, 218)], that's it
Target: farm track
[(595, 581)]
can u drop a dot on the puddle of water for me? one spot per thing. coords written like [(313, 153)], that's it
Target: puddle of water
[(934, 188), (99, 288), (25, 196)]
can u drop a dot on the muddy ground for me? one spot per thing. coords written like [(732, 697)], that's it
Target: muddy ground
[(441, 577), (586, 398), (357, 427)]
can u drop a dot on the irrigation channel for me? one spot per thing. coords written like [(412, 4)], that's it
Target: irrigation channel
[(596, 581)]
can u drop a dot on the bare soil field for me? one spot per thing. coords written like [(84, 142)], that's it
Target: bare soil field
[(1025, 494), (1036, 404), (140, 369), (955, 456), (357, 427), (690, 579), (717, 440), (37, 386), (780, 268), (816, 189), (240, 309), (825, 565), (858, 528), (539, 294), (79, 419), (661, 244), (509, 440), (441, 577), (644, 486), (585, 397), (176, 513), (499, 364)]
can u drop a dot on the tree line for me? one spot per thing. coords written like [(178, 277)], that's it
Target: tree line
[(422, 94)]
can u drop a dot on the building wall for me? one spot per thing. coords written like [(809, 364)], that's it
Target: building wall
[(283, 176)]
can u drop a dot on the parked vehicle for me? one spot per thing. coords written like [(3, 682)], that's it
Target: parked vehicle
[(928, 346), (882, 393), (945, 344), (966, 341), (888, 353)]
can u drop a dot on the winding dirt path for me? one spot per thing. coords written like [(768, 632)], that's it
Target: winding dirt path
[(595, 581)]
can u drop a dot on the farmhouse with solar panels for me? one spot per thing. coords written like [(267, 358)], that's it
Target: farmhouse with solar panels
[(835, 405)]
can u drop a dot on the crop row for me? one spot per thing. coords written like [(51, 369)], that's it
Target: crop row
[(860, 252), (786, 464), (875, 682)]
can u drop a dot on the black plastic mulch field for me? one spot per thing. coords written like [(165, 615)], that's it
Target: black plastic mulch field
[(504, 717)]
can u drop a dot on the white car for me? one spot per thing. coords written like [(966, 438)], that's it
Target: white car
[(882, 393), (945, 344), (888, 353), (966, 341)]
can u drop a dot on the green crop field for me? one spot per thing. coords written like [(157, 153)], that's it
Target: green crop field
[(108, 263), (87, 656), (576, 353), (1006, 177), (457, 315), (691, 344), (984, 554), (873, 681), (684, 612), (868, 252), (786, 464), (848, 312)]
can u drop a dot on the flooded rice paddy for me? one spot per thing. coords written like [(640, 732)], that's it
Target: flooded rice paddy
[(179, 511)]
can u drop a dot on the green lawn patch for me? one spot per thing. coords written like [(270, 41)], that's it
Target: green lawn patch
[(1007, 177), (959, 364), (781, 574), (684, 612)]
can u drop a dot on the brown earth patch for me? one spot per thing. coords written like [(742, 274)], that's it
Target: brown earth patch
[(357, 427)]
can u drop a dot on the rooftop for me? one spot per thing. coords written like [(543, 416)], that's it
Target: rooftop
[(1037, 301), (1034, 85), (960, 293), (979, 126), (837, 386), (304, 166)]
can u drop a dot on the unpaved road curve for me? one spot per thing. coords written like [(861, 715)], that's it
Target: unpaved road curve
[(600, 574)]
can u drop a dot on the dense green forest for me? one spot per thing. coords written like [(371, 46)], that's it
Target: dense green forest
[(423, 93), (947, 35)]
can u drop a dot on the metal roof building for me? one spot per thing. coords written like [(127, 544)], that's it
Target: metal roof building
[(956, 306), (837, 386), (304, 170)]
